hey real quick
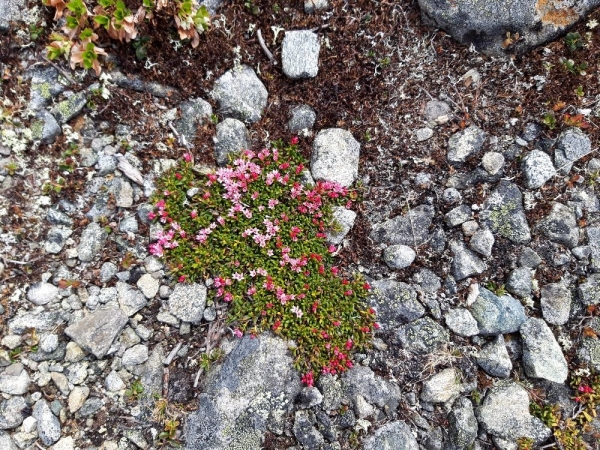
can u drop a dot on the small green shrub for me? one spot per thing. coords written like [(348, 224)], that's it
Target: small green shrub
[(256, 235)]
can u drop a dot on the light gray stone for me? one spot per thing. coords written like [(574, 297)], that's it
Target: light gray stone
[(461, 322), (65, 443), (571, 145), (91, 242), (492, 162), (335, 156), (542, 356), (497, 315), (61, 382), (588, 291), (458, 215), (464, 144), (128, 225), (422, 336), (423, 134), (123, 193), (482, 242), (555, 300), (12, 412), (11, 11), (437, 111), (560, 226), (40, 320), (130, 299), (395, 435), (311, 6), (465, 263), (593, 235), (6, 443), (240, 94), (442, 387), (14, 380), (537, 168), (97, 331), (49, 343), (344, 220), (503, 213), (135, 355), (48, 425), (395, 302), (519, 282), (399, 256), (148, 285), (361, 381), (232, 138), (300, 54), (56, 217), (302, 118), (462, 424), (42, 293), (494, 359), (187, 302)]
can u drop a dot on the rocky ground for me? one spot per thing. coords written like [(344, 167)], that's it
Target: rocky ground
[(479, 231)]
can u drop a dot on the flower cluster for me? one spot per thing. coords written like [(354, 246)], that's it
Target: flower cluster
[(257, 235)]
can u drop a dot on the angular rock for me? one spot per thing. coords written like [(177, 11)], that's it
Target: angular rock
[(48, 426), (461, 322), (335, 156), (97, 331), (344, 220), (483, 24), (361, 381), (492, 162), (302, 118), (128, 225), (40, 320), (462, 424), (464, 144), (537, 168), (244, 396), (14, 380), (529, 258), (588, 291), (130, 299), (482, 242), (395, 435), (12, 412), (560, 226), (555, 300), (6, 442), (187, 302), (300, 54), (399, 256), (123, 193), (504, 413), (194, 112), (497, 315), (148, 285), (494, 359), (422, 336), (42, 293), (395, 302), (309, 397), (465, 263), (91, 242), (457, 216), (135, 355), (77, 398), (542, 356), (91, 406), (305, 432), (571, 145), (519, 282), (332, 391), (410, 229), (45, 128), (442, 387), (503, 213), (69, 108), (240, 94), (232, 138)]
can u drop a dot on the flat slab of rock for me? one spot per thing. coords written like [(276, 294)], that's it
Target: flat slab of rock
[(484, 24), (571, 145), (422, 336), (300, 54), (410, 229), (395, 302), (503, 213), (240, 94), (504, 413), (97, 331), (243, 395), (392, 436), (442, 387), (465, 263), (335, 156), (542, 356), (497, 315)]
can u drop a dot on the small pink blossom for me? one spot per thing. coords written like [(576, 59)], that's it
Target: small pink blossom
[(228, 297), (237, 333), (166, 192), (182, 278), (187, 157), (273, 202), (331, 249), (238, 276), (193, 214), (151, 215), (294, 140), (251, 291)]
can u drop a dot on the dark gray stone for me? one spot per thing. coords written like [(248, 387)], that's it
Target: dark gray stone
[(494, 359), (529, 258), (69, 108), (462, 424), (555, 300), (497, 315), (542, 356), (45, 128), (464, 144), (91, 406), (410, 229), (240, 94), (300, 54), (97, 331), (395, 302), (485, 24), (571, 145), (57, 217), (335, 156), (465, 263), (560, 226), (302, 118), (457, 216), (305, 432), (519, 282), (422, 336), (194, 112), (503, 213), (232, 138), (482, 242), (57, 239)]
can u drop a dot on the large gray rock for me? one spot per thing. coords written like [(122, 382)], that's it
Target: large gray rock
[(48, 426), (571, 145), (344, 220), (362, 381), (232, 137), (555, 300), (465, 263), (484, 24), (519, 282), (395, 302), (504, 413), (131, 300), (45, 128), (392, 436), (494, 359), (335, 156), (300, 54), (91, 242), (503, 213), (42, 293), (187, 302), (240, 94), (11, 11), (6, 443), (97, 331), (442, 387), (537, 168), (497, 315), (560, 225), (410, 229), (462, 424), (464, 144), (12, 412), (14, 380), (542, 356), (422, 336), (244, 397), (194, 112)]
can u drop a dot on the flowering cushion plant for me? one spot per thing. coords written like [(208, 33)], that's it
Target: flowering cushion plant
[(257, 236)]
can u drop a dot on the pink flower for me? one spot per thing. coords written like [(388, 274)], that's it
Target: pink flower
[(156, 249), (182, 278), (151, 215), (308, 379), (331, 249), (273, 202), (349, 344), (297, 311), (228, 297), (254, 195), (187, 157), (238, 276), (166, 192), (193, 214), (237, 333), (334, 270), (294, 140), (336, 323), (251, 291)]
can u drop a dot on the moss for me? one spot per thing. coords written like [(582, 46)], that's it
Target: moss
[(44, 90), (37, 129), (500, 216)]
